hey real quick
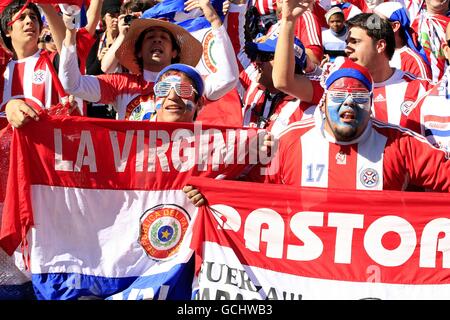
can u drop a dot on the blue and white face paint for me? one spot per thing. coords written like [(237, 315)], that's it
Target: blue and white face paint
[(348, 112), (175, 99), (174, 82)]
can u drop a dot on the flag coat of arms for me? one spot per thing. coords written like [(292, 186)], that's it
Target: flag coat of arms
[(97, 207)]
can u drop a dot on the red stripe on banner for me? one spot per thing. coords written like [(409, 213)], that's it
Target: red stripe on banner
[(111, 154), (316, 233), (430, 117)]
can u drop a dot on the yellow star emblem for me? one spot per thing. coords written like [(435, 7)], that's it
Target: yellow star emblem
[(165, 234)]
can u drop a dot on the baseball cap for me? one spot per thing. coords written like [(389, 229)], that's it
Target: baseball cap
[(269, 45)]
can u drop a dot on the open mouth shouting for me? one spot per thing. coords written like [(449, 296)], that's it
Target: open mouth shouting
[(347, 114)]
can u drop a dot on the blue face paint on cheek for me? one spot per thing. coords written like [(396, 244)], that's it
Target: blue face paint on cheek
[(158, 104), (334, 109), (333, 113), (190, 105)]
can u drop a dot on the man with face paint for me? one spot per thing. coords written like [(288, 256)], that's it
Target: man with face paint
[(178, 90), (149, 46), (343, 147), (347, 102)]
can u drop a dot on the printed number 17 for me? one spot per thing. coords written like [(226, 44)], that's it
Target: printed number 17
[(319, 170)]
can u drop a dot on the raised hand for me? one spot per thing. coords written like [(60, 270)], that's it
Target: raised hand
[(294, 8), (208, 11), (193, 4)]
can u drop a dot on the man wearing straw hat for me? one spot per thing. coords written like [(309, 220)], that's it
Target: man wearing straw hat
[(150, 45)]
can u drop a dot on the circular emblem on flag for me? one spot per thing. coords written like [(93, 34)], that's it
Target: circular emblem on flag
[(207, 57), (162, 229), (369, 177), (38, 77), (405, 107)]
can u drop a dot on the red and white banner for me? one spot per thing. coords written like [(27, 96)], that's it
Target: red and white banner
[(260, 241), (98, 207)]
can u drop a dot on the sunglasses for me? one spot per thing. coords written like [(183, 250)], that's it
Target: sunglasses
[(182, 89), (341, 96)]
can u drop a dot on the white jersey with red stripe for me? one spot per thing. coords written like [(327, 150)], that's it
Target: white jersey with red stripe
[(395, 96), (410, 61), (430, 115), (384, 157), (29, 79)]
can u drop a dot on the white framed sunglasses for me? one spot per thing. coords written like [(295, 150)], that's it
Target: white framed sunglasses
[(356, 96), (182, 89)]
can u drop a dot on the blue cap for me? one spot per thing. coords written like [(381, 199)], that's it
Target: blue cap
[(270, 44), (191, 72), (345, 68)]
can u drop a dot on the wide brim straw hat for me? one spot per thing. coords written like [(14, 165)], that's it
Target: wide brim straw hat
[(190, 48)]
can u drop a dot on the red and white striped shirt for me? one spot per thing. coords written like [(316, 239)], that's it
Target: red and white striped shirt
[(265, 6), (274, 111), (431, 34), (395, 96), (28, 79), (131, 95), (430, 115), (308, 31), (384, 157), (410, 61), (414, 7)]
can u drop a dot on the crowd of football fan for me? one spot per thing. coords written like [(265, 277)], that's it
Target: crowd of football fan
[(336, 83)]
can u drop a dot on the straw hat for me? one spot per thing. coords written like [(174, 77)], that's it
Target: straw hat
[(190, 53)]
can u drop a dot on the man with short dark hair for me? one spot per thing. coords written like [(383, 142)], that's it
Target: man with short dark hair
[(371, 43), (28, 82), (27, 75), (409, 55)]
